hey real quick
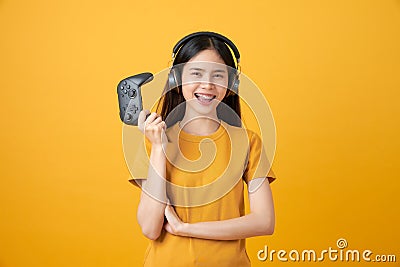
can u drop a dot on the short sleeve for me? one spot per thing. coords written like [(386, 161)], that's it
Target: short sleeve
[(258, 165), (140, 166)]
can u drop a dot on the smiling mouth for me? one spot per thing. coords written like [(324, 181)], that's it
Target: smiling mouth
[(204, 98)]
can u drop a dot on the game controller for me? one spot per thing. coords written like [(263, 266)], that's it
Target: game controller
[(130, 97)]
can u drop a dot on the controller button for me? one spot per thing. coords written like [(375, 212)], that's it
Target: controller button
[(128, 117), (124, 82), (132, 93), (122, 88), (125, 91), (135, 109), (128, 86)]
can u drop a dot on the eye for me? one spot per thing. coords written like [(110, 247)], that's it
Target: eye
[(219, 76), (196, 74)]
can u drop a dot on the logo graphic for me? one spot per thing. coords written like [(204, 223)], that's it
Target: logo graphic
[(341, 243), (331, 254)]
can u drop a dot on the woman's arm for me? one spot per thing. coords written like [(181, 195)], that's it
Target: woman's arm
[(150, 213), (260, 220)]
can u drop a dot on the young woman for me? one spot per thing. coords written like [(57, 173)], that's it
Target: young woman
[(195, 163)]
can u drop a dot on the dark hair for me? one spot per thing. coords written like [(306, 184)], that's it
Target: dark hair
[(173, 96)]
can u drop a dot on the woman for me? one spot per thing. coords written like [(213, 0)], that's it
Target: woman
[(198, 157)]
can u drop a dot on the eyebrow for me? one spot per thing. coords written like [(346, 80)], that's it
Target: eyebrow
[(200, 69), (196, 69), (219, 70)]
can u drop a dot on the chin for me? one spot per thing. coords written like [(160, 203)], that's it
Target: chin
[(199, 109)]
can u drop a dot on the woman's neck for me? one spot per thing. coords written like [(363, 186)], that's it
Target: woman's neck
[(200, 125)]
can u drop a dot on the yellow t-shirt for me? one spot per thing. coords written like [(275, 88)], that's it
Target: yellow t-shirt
[(205, 176)]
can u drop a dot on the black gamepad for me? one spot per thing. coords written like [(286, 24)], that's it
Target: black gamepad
[(130, 98)]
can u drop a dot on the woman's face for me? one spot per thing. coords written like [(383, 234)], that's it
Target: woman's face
[(204, 81)]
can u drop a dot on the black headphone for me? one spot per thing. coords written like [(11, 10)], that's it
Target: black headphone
[(173, 76)]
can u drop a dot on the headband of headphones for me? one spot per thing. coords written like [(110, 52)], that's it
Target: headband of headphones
[(222, 38)]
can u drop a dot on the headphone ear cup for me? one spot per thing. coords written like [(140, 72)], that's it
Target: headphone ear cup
[(234, 85), (172, 80)]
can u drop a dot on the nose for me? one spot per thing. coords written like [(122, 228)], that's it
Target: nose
[(206, 83)]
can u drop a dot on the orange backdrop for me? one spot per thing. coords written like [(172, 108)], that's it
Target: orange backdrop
[(329, 69)]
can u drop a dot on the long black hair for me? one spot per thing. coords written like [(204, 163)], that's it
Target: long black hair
[(171, 105)]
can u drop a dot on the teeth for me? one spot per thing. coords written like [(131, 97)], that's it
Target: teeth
[(208, 97)]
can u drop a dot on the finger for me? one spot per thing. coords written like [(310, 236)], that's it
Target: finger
[(168, 214), (164, 125), (172, 216), (151, 117), (168, 228), (142, 118), (142, 115), (157, 120)]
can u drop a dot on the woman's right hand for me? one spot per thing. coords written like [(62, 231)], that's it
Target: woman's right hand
[(153, 127)]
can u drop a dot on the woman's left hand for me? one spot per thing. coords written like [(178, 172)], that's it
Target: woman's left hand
[(174, 225)]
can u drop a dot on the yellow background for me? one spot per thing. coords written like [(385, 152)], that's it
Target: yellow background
[(329, 69)]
